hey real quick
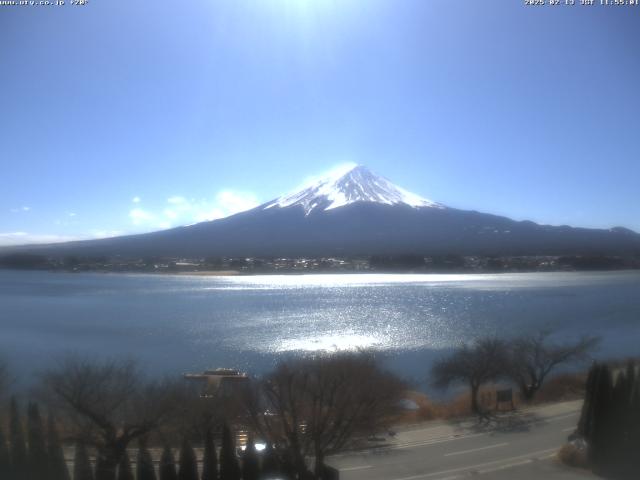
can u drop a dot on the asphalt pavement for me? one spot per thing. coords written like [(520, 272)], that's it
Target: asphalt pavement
[(515, 445)]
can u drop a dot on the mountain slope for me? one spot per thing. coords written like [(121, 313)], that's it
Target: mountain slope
[(357, 213)]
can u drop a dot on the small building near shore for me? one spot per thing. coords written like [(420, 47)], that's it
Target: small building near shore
[(220, 381)]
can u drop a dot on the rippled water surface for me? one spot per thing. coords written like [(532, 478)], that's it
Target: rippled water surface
[(180, 323)]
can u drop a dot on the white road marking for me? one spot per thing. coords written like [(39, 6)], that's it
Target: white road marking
[(510, 461), (462, 452), (457, 436), (515, 464), (562, 417), (434, 441), (463, 436), (460, 436), (351, 469)]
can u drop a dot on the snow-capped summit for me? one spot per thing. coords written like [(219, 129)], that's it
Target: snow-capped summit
[(351, 184)]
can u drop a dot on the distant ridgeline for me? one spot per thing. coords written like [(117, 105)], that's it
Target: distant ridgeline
[(376, 263), (360, 215)]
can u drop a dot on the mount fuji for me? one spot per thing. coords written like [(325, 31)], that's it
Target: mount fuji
[(356, 212), (347, 186)]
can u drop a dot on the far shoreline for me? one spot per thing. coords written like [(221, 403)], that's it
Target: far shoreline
[(236, 273)]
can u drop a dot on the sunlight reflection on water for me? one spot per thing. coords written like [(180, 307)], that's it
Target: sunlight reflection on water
[(184, 322)]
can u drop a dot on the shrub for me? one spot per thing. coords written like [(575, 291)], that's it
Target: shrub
[(573, 456)]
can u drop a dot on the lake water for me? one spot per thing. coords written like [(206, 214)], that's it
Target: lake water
[(187, 323)]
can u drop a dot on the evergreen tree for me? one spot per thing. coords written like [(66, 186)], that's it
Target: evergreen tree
[(630, 457), (288, 466), (601, 435), (633, 454), (145, 470), (250, 461), (81, 464), (57, 465), (619, 422), (610, 421), (229, 468), (5, 457), (102, 470), (19, 465), (631, 375), (210, 459), (168, 465), (37, 456), (124, 468), (188, 463), (270, 462), (586, 416)]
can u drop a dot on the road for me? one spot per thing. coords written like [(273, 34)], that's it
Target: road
[(520, 445)]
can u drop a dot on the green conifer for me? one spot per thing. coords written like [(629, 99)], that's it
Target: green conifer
[(270, 462), (631, 374), (601, 435), (5, 457), (586, 416), (188, 463), (57, 465), (250, 461), (168, 465), (81, 464), (19, 465), (634, 449), (37, 454), (210, 458), (125, 471), (229, 468), (145, 470), (619, 422)]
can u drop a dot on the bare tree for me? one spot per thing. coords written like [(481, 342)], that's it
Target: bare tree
[(109, 404), (315, 407), (475, 364), (533, 358)]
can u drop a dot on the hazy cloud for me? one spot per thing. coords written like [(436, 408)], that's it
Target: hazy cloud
[(334, 172), (106, 233), (177, 200), (23, 238), (136, 199), (20, 238), (180, 210), (228, 202), (139, 216), (21, 209)]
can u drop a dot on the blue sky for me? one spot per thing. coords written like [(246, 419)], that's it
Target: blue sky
[(130, 116)]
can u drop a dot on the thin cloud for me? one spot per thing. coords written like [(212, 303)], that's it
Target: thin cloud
[(21, 209), (183, 211), (177, 200), (8, 239), (334, 172), (24, 238), (139, 216), (106, 233), (229, 202), (136, 199)]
